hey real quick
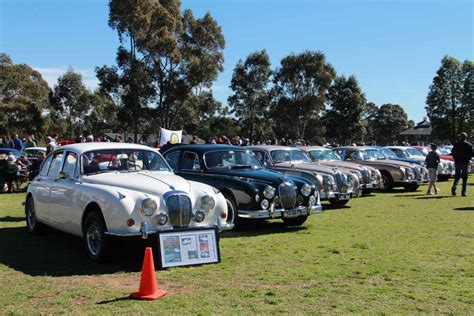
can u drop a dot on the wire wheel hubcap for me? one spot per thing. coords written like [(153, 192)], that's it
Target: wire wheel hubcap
[(31, 215), (94, 238)]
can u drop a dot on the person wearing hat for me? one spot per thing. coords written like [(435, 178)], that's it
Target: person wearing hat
[(34, 168), (11, 172), (462, 154)]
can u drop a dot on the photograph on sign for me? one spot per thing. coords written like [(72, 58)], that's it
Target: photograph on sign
[(188, 248)]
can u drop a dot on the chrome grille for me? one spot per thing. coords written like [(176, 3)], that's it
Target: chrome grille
[(341, 182), (287, 194), (179, 209)]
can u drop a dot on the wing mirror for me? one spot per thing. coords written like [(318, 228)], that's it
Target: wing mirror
[(63, 175)]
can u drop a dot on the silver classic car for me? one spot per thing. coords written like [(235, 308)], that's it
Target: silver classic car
[(99, 190), (337, 185), (394, 173), (369, 177)]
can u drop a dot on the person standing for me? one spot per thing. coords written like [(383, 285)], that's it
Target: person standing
[(462, 154), (432, 161), (17, 144)]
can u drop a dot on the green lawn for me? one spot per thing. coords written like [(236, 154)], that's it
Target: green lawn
[(388, 253)]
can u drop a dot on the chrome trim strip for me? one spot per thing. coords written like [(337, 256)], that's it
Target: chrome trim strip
[(262, 214)]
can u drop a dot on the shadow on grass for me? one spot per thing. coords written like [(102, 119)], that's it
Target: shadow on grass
[(408, 195), (58, 254), (464, 208), (427, 197), (125, 298), (256, 228), (11, 219), (335, 207)]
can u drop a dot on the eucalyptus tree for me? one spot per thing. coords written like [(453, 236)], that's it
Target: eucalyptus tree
[(24, 95), (172, 56), (301, 84), (251, 98), (344, 117)]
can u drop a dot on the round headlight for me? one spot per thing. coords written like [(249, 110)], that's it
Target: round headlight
[(264, 204), (199, 216), (312, 200), (148, 207), (269, 192), (306, 189), (207, 203), (161, 218)]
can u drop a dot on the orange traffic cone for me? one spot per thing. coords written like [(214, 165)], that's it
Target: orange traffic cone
[(148, 288)]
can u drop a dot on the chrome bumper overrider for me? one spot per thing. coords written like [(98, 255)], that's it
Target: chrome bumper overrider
[(278, 213)]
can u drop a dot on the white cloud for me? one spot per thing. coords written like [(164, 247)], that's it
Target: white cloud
[(51, 75)]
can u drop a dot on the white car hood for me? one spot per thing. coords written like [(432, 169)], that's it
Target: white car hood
[(142, 181)]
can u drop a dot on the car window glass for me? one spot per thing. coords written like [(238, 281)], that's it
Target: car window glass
[(70, 164), (190, 162), (46, 165), (122, 160), (55, 164), (172, 159)]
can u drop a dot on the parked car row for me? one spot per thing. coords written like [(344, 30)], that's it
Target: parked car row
[(100, 190)]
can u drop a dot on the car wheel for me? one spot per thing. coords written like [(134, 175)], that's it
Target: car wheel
[(297, 221), (232, 214), (338, 202), (32, 224), (387, 182), (366, 191), (96, 241)]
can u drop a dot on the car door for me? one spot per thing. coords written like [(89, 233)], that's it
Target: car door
[(39, 188), (66, 213), (190, 167), (52, 210)]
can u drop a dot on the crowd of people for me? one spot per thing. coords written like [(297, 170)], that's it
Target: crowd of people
[(23, 167)]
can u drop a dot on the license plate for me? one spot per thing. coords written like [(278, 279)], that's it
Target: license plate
[(292, 213), (368, 186), (344, 197)]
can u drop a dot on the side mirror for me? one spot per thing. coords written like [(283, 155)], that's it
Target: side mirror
[(63, 175)]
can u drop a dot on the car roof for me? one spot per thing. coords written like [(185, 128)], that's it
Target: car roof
[(203, 148), (274, 147), (84, 147), (356, 147), (316, 148), (35, 148), (398, 147)]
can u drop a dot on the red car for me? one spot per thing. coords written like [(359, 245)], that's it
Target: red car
[(443, 154)]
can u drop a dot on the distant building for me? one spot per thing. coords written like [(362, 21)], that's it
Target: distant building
[(419, 135)]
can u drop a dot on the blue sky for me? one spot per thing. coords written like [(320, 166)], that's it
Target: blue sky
[(393, 47)]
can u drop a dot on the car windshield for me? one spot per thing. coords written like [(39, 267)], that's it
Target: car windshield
[(413, 152), (122, 160), (444, 151), (387, 153), (231, 159), (289, 155), (328, 155), (371, 154)]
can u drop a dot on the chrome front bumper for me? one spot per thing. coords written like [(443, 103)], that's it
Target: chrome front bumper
[(280, 213), (145, 231)]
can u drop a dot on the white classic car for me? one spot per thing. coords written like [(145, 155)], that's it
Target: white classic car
[(98, 190)]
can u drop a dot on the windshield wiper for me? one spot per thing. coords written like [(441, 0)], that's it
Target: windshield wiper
[(240, 167)]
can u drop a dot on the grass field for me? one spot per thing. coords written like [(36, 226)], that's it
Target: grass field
[(388, 253)]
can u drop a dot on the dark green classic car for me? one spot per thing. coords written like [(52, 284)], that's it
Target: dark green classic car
[(251, 191)]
